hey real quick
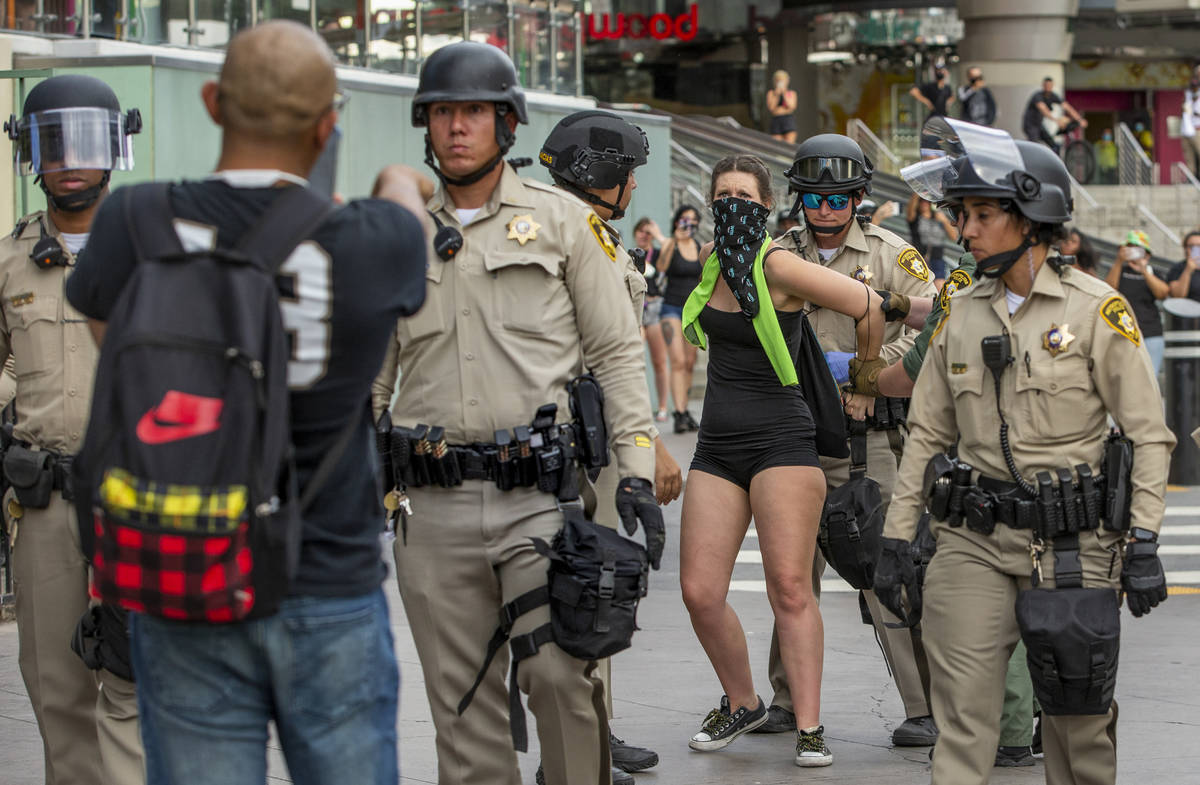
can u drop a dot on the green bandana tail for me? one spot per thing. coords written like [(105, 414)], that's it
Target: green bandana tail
[(766, 325)]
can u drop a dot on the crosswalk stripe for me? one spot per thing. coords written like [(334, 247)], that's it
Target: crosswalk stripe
[(1179, 530), (1175, 512), (828, 586), (749, 557), (1178, 550), (1175, 577)]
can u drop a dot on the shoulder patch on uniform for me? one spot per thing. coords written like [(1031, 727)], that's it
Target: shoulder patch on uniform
[(959, 279), (912, 263), (1117, 316), (602, 237)]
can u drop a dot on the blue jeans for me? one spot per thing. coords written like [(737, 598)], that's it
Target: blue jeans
[(322, 668), (1155, 346)]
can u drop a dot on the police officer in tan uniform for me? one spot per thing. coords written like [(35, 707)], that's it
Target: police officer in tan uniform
[(1023, 372), (831, 175), (533, 296), (72, 134), (593, 154)]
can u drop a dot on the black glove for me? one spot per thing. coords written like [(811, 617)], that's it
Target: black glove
[(895, 575), (895, 306), (1142, 577), (636, 502)]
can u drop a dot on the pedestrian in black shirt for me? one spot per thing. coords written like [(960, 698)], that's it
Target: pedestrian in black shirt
[(1041, 106), (975, 97), (1181, 279), (936, 96), (1132, 275), (322, 668)]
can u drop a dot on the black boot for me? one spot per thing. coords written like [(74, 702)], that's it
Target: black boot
[(681, 422), (629, 758)]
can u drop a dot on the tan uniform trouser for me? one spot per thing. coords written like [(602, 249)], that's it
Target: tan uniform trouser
[(970, 631), (88, 719), (901, 647), (468, 553)]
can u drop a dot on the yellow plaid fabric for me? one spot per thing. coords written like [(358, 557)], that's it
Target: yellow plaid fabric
[(185, 508)]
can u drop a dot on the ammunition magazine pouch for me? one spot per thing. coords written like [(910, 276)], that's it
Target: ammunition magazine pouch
[(889, 414), (1073, 638), (35, 474), (102, 640), (595, 581), (852, 519)]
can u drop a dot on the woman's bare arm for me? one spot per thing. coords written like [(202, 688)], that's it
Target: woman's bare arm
[(789, 274)]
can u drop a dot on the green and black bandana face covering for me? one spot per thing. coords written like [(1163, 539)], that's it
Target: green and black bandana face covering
[(741, 227)]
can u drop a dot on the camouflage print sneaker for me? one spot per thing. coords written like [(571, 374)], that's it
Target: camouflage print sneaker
[(721, 727), (811, 750)]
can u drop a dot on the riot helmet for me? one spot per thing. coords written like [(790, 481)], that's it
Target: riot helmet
[(594, 150), (470, 71), (72, 122), (977, 161), (829, 163)]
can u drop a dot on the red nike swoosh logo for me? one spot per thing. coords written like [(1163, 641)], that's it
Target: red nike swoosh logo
[(178, 416)]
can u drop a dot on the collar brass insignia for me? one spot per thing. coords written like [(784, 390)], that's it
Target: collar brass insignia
[(523, 228), (1057, 339)]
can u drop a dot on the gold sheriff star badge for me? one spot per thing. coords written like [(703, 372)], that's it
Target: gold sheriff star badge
[(863, 274), (523, 228), (1057, 339)]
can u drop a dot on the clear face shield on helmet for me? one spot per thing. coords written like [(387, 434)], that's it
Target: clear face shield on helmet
[(76, 138), (969, 154)]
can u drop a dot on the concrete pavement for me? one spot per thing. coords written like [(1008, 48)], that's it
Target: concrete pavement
[(664, 686)]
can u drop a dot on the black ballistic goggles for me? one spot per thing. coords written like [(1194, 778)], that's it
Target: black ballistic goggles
[(839, 170)]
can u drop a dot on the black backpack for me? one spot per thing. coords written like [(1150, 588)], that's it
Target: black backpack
[(185, 478), (852, 520)]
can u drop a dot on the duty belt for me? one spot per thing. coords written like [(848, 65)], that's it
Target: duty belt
[(60, 468), (1059, 508)]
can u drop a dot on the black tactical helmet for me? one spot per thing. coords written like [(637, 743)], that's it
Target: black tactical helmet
[(829, 163), (594, 149), (73, 122), (1053, 203), (468, 71)]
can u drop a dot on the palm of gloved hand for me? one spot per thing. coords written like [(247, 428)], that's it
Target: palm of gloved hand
[(1142, 578), (636, 502), (895, 576)]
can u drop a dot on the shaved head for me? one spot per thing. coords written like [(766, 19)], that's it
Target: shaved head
[(277, 81)]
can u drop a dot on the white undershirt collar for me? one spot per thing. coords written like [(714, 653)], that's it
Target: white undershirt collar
[(255, 178)]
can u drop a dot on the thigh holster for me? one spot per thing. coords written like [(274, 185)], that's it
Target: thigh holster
[(595, 581)]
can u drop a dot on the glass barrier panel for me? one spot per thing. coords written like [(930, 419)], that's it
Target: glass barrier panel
[(394, 36)]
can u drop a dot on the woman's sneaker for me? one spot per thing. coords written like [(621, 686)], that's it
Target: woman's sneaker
[(720, 727), (811, 750)]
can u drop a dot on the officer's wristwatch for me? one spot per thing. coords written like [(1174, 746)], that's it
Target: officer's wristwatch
[(1138, 534)]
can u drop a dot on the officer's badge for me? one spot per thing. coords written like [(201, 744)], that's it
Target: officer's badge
[(602, 237), (863, 274), (958, 280), (523, 228), (1057, 339), (25, 298), (1117, 316), (911, 262)]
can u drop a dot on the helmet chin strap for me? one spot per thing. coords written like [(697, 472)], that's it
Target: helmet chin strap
[(998, 264), (504, 139), (618, 212), (78, 201)]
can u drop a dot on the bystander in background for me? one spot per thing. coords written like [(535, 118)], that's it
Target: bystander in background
[(1181, 279), (649, 238), (929, 228), (1106, 158), (782, 104), (1078, 246), (975, 98), (936, 96), (1132, 275), (1190, 120)]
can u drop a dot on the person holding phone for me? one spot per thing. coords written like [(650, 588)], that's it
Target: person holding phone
[(1180, 280), (975, 97), (1132, 275)]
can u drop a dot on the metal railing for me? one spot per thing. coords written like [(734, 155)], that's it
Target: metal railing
[(1133, 165), (1173, 240), (879, 153), (544, 39)]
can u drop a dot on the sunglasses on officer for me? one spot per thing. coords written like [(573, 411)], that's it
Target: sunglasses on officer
[(835, 201)]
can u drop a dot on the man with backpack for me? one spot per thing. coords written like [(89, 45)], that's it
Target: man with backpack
[(72, 134), (242, 320)]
